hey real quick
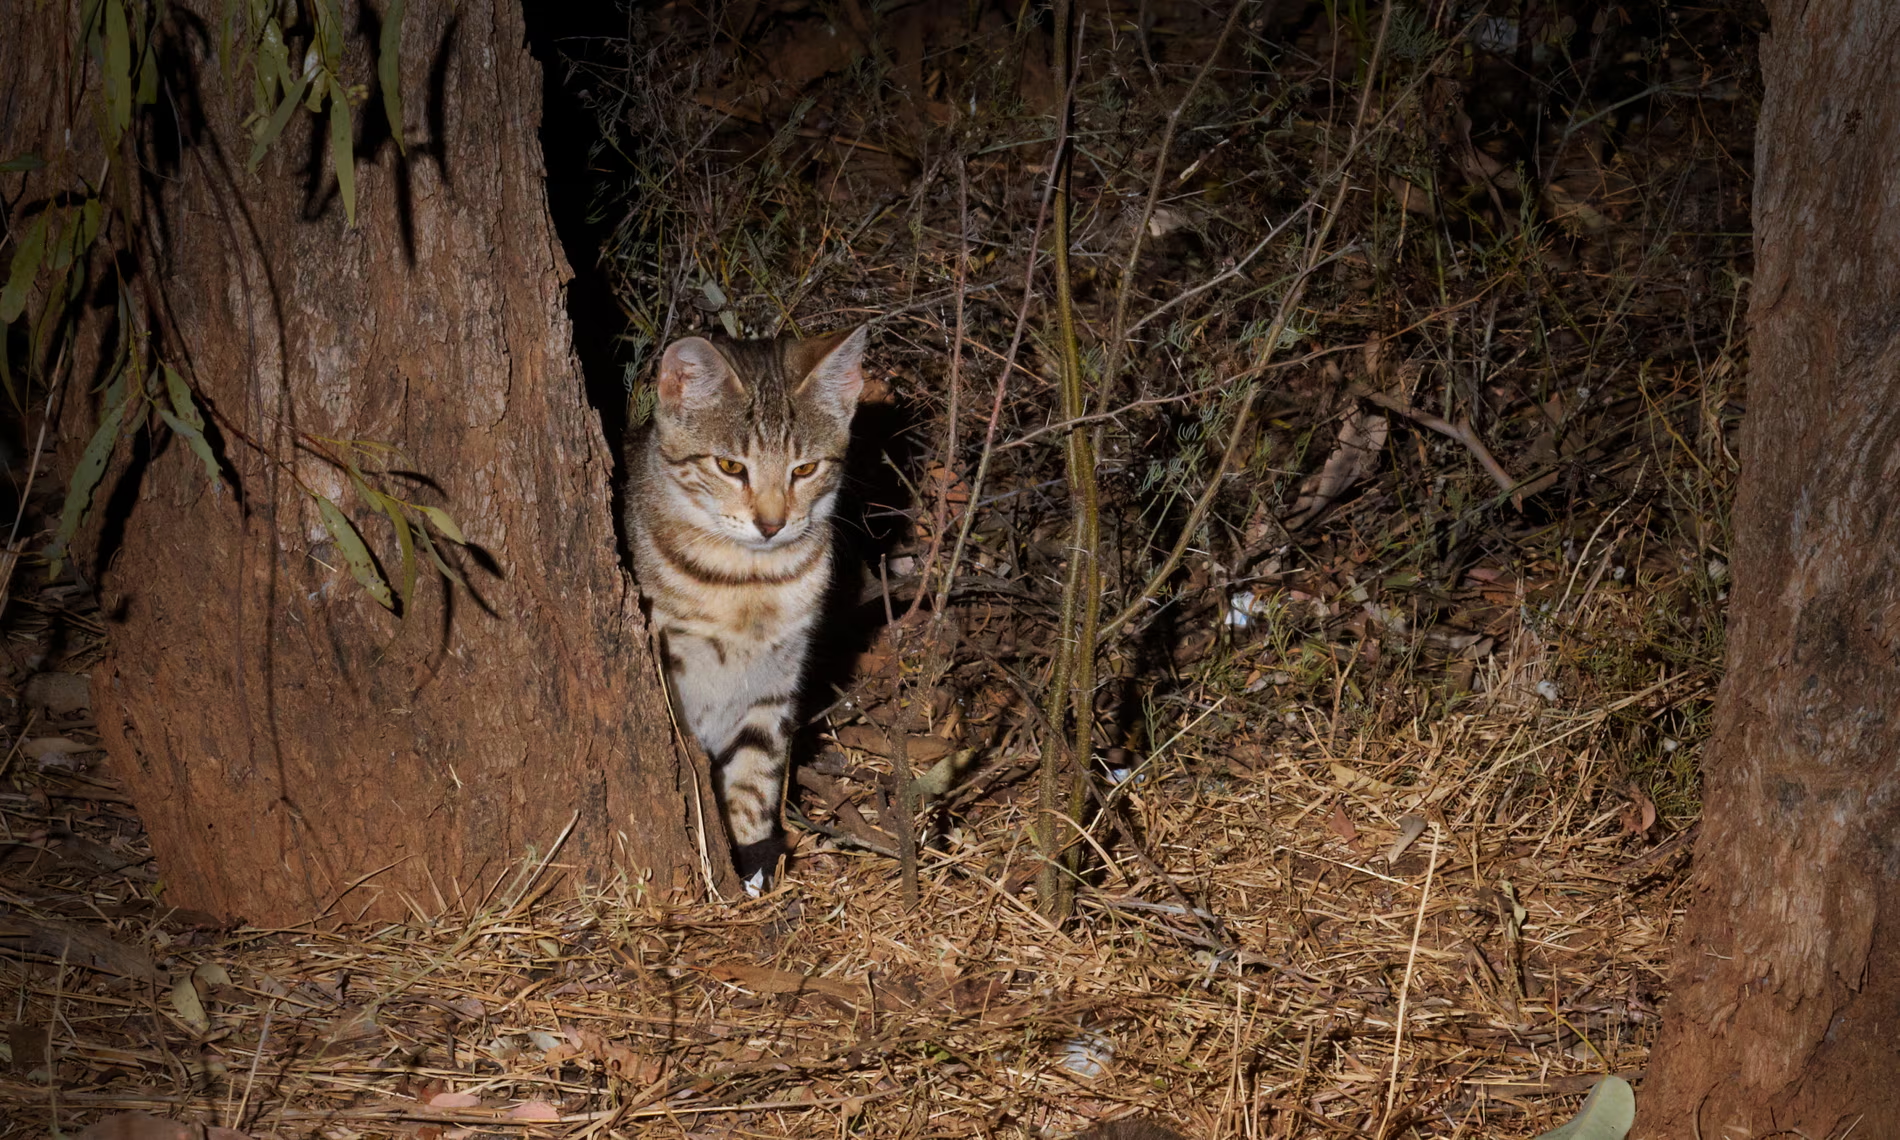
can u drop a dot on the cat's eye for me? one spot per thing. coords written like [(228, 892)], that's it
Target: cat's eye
[(804, 470), (730, 466)]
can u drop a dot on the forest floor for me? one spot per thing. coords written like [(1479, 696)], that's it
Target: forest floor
[(1394, 776)]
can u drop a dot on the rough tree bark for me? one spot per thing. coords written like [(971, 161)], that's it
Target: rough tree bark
[(294, 749), (1787, 981)]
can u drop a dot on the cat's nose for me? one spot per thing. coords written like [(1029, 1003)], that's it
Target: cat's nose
[(769, 527)]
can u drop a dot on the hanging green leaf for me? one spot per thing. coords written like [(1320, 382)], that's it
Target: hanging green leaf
[(405, 544), (442, 522), (6, 375), (355, 554), (118, 72), (1607, 1114), (24, 164), (227, 36), (388, 70), (51, 313), (275, 126), (91, 217), (148, 71), (76, 235), (330, 35), (272, 67), (188, 423), (428, 546), (26, 266), (86, 476), (180, 395), (341, 152), (195, 439)]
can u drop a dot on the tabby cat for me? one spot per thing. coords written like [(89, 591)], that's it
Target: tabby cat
[(729, 500)]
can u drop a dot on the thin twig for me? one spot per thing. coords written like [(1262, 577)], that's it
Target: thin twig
[(1405, 987), (1460, 431)]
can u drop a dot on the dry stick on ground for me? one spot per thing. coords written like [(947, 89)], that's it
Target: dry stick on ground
[(1460, 431)]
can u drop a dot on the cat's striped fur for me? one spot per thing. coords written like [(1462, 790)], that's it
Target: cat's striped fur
[(729, 501)]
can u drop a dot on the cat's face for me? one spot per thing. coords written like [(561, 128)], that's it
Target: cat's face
[(754, 433)]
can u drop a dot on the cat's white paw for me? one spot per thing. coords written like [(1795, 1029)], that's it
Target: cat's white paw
[(755, 884)]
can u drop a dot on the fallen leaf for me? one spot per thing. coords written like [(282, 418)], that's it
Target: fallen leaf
[(539, 1110), (190, 1007), (765, 980), (44, 749), (1607, 1114), (1356, 781), (1342, 826), (1355, 455), (1411, 826), (455, 1100)]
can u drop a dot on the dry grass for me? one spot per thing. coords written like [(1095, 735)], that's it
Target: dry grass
[(826, 1009), (1397, 857)]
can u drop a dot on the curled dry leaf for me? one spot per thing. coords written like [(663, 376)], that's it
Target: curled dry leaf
[(189, 1005), (1355, 456), (1411, 826)]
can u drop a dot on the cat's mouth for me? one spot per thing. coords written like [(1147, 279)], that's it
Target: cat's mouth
[(783, 537)]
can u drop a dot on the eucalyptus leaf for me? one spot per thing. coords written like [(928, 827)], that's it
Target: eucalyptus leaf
[(330, 34), (227, 36), (355, 554), (26, 266), (272, 66), (180, 395), (86, 476), (406, 545), (75, 235), (389, 71), (148, 72), (275, 126), (341, 151), (194, 438), (442, 522), (435, 556), (118, 72), (1607, 1114), (6, 374), (24, 164)]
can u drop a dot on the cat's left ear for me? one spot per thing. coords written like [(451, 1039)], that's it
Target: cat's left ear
[(833, 365)]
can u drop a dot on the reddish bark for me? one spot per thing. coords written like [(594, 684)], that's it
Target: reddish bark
[(1788, 974), (293, 748)]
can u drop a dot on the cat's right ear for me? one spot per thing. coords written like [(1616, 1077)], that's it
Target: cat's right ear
[(693, 374)]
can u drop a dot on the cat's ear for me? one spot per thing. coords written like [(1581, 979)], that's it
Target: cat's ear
[(694, 374), (832, 365)]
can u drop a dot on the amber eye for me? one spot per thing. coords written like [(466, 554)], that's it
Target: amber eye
[(803, 470), (730, 466)]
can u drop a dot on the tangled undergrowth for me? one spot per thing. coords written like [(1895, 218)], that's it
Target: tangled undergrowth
[(1408, 348)]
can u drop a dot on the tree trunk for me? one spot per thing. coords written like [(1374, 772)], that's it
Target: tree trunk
[(1787, 979), (296, 750)]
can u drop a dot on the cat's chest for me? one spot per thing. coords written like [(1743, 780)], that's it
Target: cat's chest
[(757, 615)]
